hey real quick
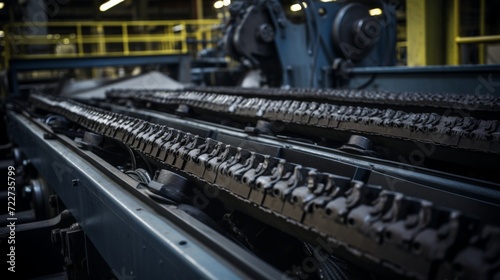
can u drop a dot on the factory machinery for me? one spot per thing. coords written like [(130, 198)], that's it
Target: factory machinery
[(302, 181)]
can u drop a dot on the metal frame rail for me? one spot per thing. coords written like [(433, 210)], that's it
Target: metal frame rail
[(138, 238)]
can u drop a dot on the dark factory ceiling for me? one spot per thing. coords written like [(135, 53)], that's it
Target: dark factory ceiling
[(75, 10), (79, 10)]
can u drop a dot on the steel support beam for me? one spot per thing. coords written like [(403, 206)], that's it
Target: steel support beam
[(452, 14)]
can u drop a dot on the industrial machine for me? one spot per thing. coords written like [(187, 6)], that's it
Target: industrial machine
[(330, 171), (312, 48)]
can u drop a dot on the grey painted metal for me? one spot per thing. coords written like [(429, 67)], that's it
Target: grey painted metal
[(465, 79), (134, 239)]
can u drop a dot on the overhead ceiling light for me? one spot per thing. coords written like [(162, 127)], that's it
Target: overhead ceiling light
[(2, 4), (375, 12), (110, 4), (226, 2), (218, 4), (2, 33), (295, 8), (298, 7)]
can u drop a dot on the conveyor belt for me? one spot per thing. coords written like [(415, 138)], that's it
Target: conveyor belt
[(448, 130), (472, 102), (411, 236)]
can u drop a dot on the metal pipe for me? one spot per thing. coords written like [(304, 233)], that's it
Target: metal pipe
[(477, 39)]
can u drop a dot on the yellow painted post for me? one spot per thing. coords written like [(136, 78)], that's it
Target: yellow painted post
[(482, 30), (209, 37), (168, 41), (198, 9), (452, 14), (125, 38), (423, 19), (456, 30), (184, 37), (79, 38), (415, 28), (101, 47), (164, 41), (198, 38)]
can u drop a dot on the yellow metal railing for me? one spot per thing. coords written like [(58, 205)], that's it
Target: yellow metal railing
[(108, 38), (471, 39)]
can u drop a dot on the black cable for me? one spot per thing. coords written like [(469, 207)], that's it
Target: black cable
[(148, 165), (131, 154), (331, 267), (132, 158)]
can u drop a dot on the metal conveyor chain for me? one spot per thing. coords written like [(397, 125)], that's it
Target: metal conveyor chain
[(474, 102), (411, 236), (460, 132)]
